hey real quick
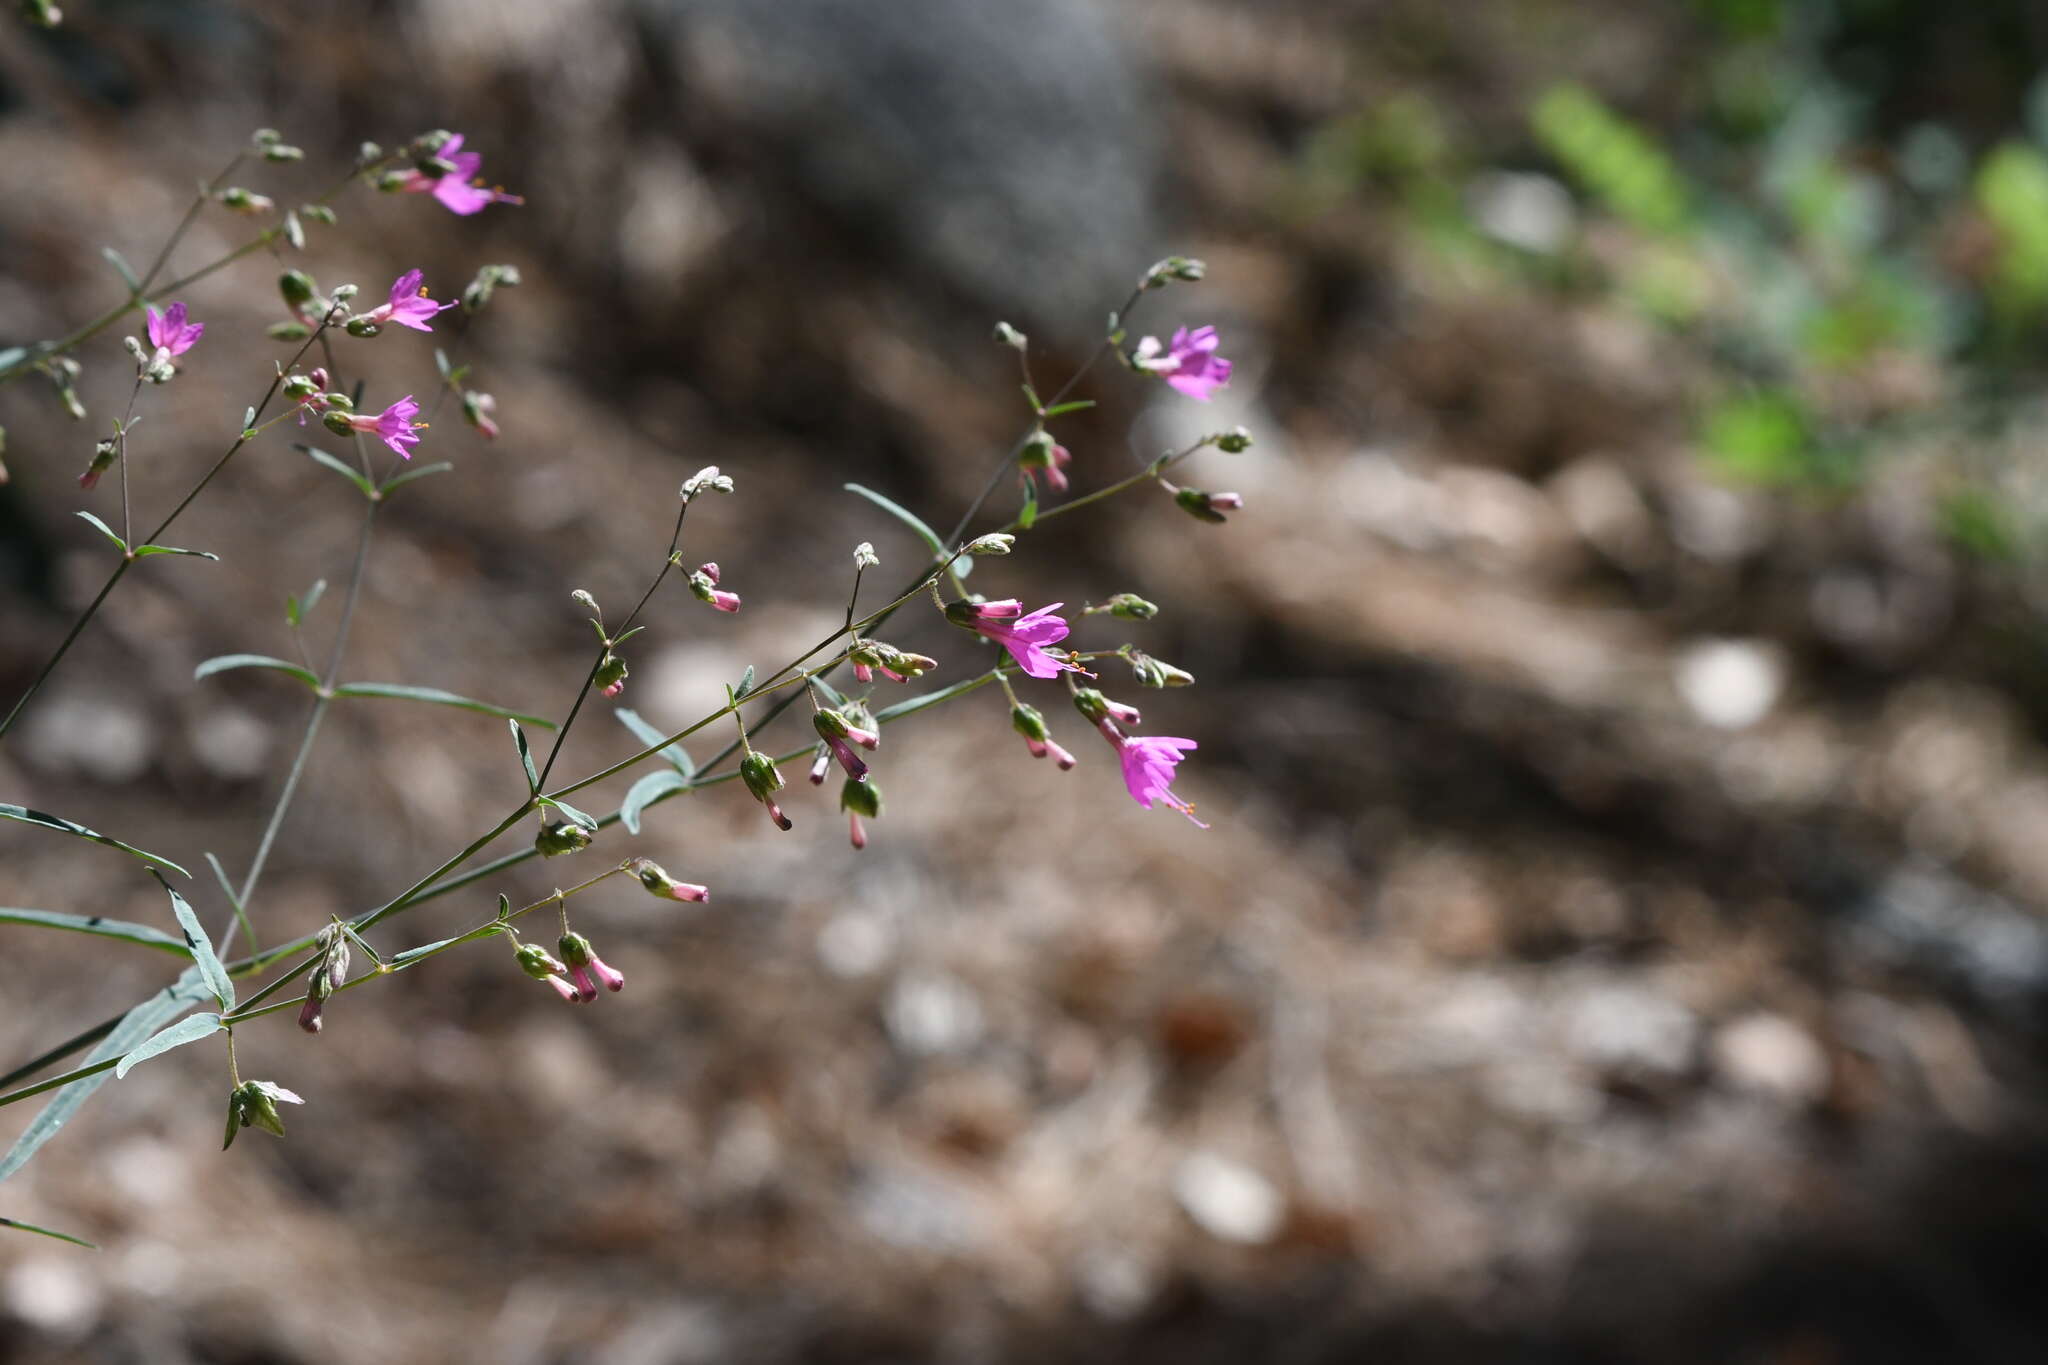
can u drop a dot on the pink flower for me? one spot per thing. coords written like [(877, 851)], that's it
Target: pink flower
[(1045, 455), (704, 586), (459, 190), (1025, 636), (170, 333), (1149, 761), (564, 989), (409, 305), (1189, 362), (393, 426)]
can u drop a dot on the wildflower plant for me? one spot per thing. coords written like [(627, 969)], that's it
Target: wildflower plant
[(307, 390)]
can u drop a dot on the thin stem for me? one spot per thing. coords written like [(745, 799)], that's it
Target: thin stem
[(121, 455), (199, 201)]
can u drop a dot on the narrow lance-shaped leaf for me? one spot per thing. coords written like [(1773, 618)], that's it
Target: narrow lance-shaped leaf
[(904, 708), (672, 754), (645, 792), (525, 757), (354, 476), (402, 692), (746, 683), (59, 823), (100, 925), (210, 969), (136, 1025), (142, 550), (420, 473), (105, 530), (961, 565), (583, 818), (120, 264), (20, 1226), (188, 1030), (221, 663)]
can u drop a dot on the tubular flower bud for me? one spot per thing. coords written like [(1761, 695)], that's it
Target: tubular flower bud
[(611, 675), (821, 763), (1094, 706), (659, 883), (1042, 454), (102, 460), (872, 656), (238, 200), (1156, 672), (586, 970), (1127, 605), (253, 1104), (555, 840), (1205, 506), (763, 779), (477, 410), (704, 586), (537, 962), (859, 798), (1029, 722), (994, 543)]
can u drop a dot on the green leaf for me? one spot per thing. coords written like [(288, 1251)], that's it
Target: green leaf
[(106, 531), (354, 476), (1077, 405), (961, 565), (248, 418), (120, 264), (645, 792), (97, 924), (20, 1226), (400, 692), (136, 1025), (831, 694), (141, 550), (746, 683), (526, 758), (187, 1030), (672, 754), (412, 955), (221, 663), (59, 823), (583, 818), (904, 708), (210, 970), (409, 475), (1027, 515)]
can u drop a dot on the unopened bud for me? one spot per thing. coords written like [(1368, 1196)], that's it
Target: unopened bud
[(361, 326), (297, 287), (586, 601), (1028, 721), (1234, 441), (864, 556), (300, 386), (288, 331), (319, 213), (1186, 269), (477, 293), (1156, 672), (477, 410), (238, 200), (336, 421), (706, 480), (253, 1104), (391, 182), (658, 883), (281, 152), (862, 798), (1011, 337), (994, 543), (1127, 605), (103, 455), (555, 840), (611, 675), (575, 950), (137, 349), (536, 961), (760, 774), (1206, 506)]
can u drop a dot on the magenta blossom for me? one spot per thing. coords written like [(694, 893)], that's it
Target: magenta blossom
[(1050, 458), (460, 190), (1149, 761), (1024, 636), (170, 333), (704, 586), (1189, 362), (394, 426), (409, 305)]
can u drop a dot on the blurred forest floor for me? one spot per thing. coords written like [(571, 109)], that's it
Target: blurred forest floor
[(1620, 937)]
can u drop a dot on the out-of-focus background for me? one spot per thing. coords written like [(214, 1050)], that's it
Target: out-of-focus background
[(1620, 705)]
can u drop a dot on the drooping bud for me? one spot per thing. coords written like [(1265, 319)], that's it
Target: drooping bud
[(1128, 605), (253, 1104), (555, 840), (658, 883), (870, 656), (763, 779), (586, 970), (1093, 706), (994, 543), (477, 410), (298, 289), (704, 587), (1156, 672), (300, 387), (1011, 337), (1029, 722), (611, 675), (103, 454), (1206, 506), (857, 799)]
